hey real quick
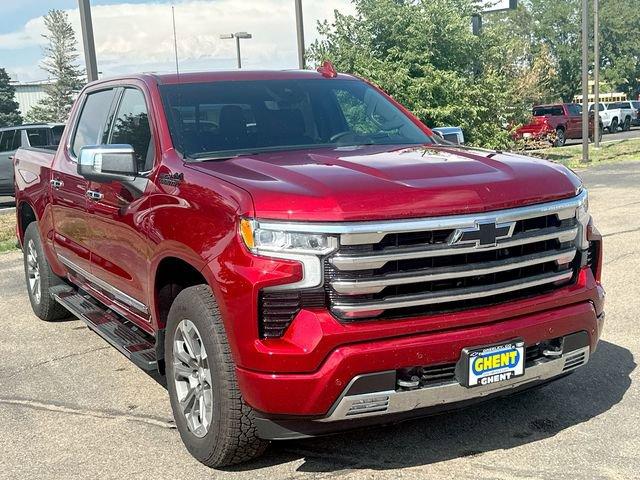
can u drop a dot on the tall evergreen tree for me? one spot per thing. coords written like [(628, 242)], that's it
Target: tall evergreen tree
[(61, 56), (9, 108)]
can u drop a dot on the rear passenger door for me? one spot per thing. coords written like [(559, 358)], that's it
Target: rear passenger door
[(9, 143), (69, 190)]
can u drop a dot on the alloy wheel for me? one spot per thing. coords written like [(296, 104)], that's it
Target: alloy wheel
[(192, 377), (33, 272)]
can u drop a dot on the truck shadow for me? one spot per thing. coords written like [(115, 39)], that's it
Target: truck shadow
[(498, 424)]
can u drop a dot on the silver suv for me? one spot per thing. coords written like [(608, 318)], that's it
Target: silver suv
[(41, 135)]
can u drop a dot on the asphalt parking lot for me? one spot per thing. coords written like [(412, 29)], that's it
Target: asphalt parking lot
[(73, 407), (613, 137)]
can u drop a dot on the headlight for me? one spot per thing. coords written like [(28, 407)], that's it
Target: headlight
[(583, 217), (286, 243), (268, 240)]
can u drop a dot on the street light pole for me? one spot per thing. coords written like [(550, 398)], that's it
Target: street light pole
[(300, 32), (585, 81), (87, 40), (596, 73), (238, 36), (238, 52)]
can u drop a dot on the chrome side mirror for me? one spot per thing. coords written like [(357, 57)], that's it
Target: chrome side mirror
[(108, 163)]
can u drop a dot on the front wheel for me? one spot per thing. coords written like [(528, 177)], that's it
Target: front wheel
[(215, 424), (626, 126), (39, 278), (614, 126)]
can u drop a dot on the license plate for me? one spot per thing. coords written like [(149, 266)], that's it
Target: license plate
[(527, 135), (491, 364)]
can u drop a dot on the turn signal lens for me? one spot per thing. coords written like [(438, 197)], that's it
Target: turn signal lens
[(246, 232)]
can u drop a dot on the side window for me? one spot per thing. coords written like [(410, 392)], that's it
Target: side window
[(56, 135), (37, 137), (17, 140), (131, 127), (575, 110), (6, 141), (92, 120)]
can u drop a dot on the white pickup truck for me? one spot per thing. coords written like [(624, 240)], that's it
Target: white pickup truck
[(615, 115), (634, 106)]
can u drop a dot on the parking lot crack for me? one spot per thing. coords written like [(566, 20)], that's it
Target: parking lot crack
[(622, 232), (56, 359), (101, 414)]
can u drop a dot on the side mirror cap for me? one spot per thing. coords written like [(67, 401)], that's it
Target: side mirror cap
[(108, 163)]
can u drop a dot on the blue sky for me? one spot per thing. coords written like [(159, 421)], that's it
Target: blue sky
[(135, 35)]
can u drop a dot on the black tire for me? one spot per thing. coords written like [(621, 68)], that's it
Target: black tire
[(626, 126), (561, 138), (614, 126), (231, 437), (44, 306)]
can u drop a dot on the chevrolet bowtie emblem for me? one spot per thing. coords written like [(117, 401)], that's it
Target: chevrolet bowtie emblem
[(483, 234)]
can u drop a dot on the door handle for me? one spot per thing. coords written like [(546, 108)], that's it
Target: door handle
[(56, 183), (93, 195)]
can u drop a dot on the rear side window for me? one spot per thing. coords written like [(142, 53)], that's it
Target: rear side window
[(37, 137), (6, 140), (553, 111), (17, 140), (92, 121), (56, 135), (131, 127)]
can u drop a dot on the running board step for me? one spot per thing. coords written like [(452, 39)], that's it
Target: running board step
[(130, 340)]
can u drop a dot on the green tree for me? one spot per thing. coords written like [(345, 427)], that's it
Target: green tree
[(557, 26), (424, 54), (9, 108), (61, 56)]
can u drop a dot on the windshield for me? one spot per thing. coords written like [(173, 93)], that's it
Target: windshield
[(221, 119)]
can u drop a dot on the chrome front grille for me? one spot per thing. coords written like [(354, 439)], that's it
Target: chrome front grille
[(418, 267)]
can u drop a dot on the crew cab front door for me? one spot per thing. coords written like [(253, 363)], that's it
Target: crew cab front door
[(120, 251), (574, 122)]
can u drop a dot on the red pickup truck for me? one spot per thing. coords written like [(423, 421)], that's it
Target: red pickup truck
[(299, 255), (557, 123)]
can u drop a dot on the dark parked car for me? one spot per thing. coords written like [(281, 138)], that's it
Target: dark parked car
[(41, 135)]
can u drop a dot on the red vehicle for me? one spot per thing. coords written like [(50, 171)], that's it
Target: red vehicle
[(299, 256), (557, 123)]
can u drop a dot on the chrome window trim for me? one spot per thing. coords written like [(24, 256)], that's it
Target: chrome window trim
[(120, 295)]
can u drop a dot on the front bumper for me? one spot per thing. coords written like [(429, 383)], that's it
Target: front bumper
[(314, 394), (396, 401), (378, 405)]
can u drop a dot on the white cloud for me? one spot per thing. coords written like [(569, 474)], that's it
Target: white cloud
[(139, 37)]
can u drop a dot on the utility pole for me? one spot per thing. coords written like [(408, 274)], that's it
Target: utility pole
[(87, 40), (596, 73), (300, 32), (238, 36), (585, 81)]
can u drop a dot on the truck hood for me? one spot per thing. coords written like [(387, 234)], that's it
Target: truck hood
[(389, 182)]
